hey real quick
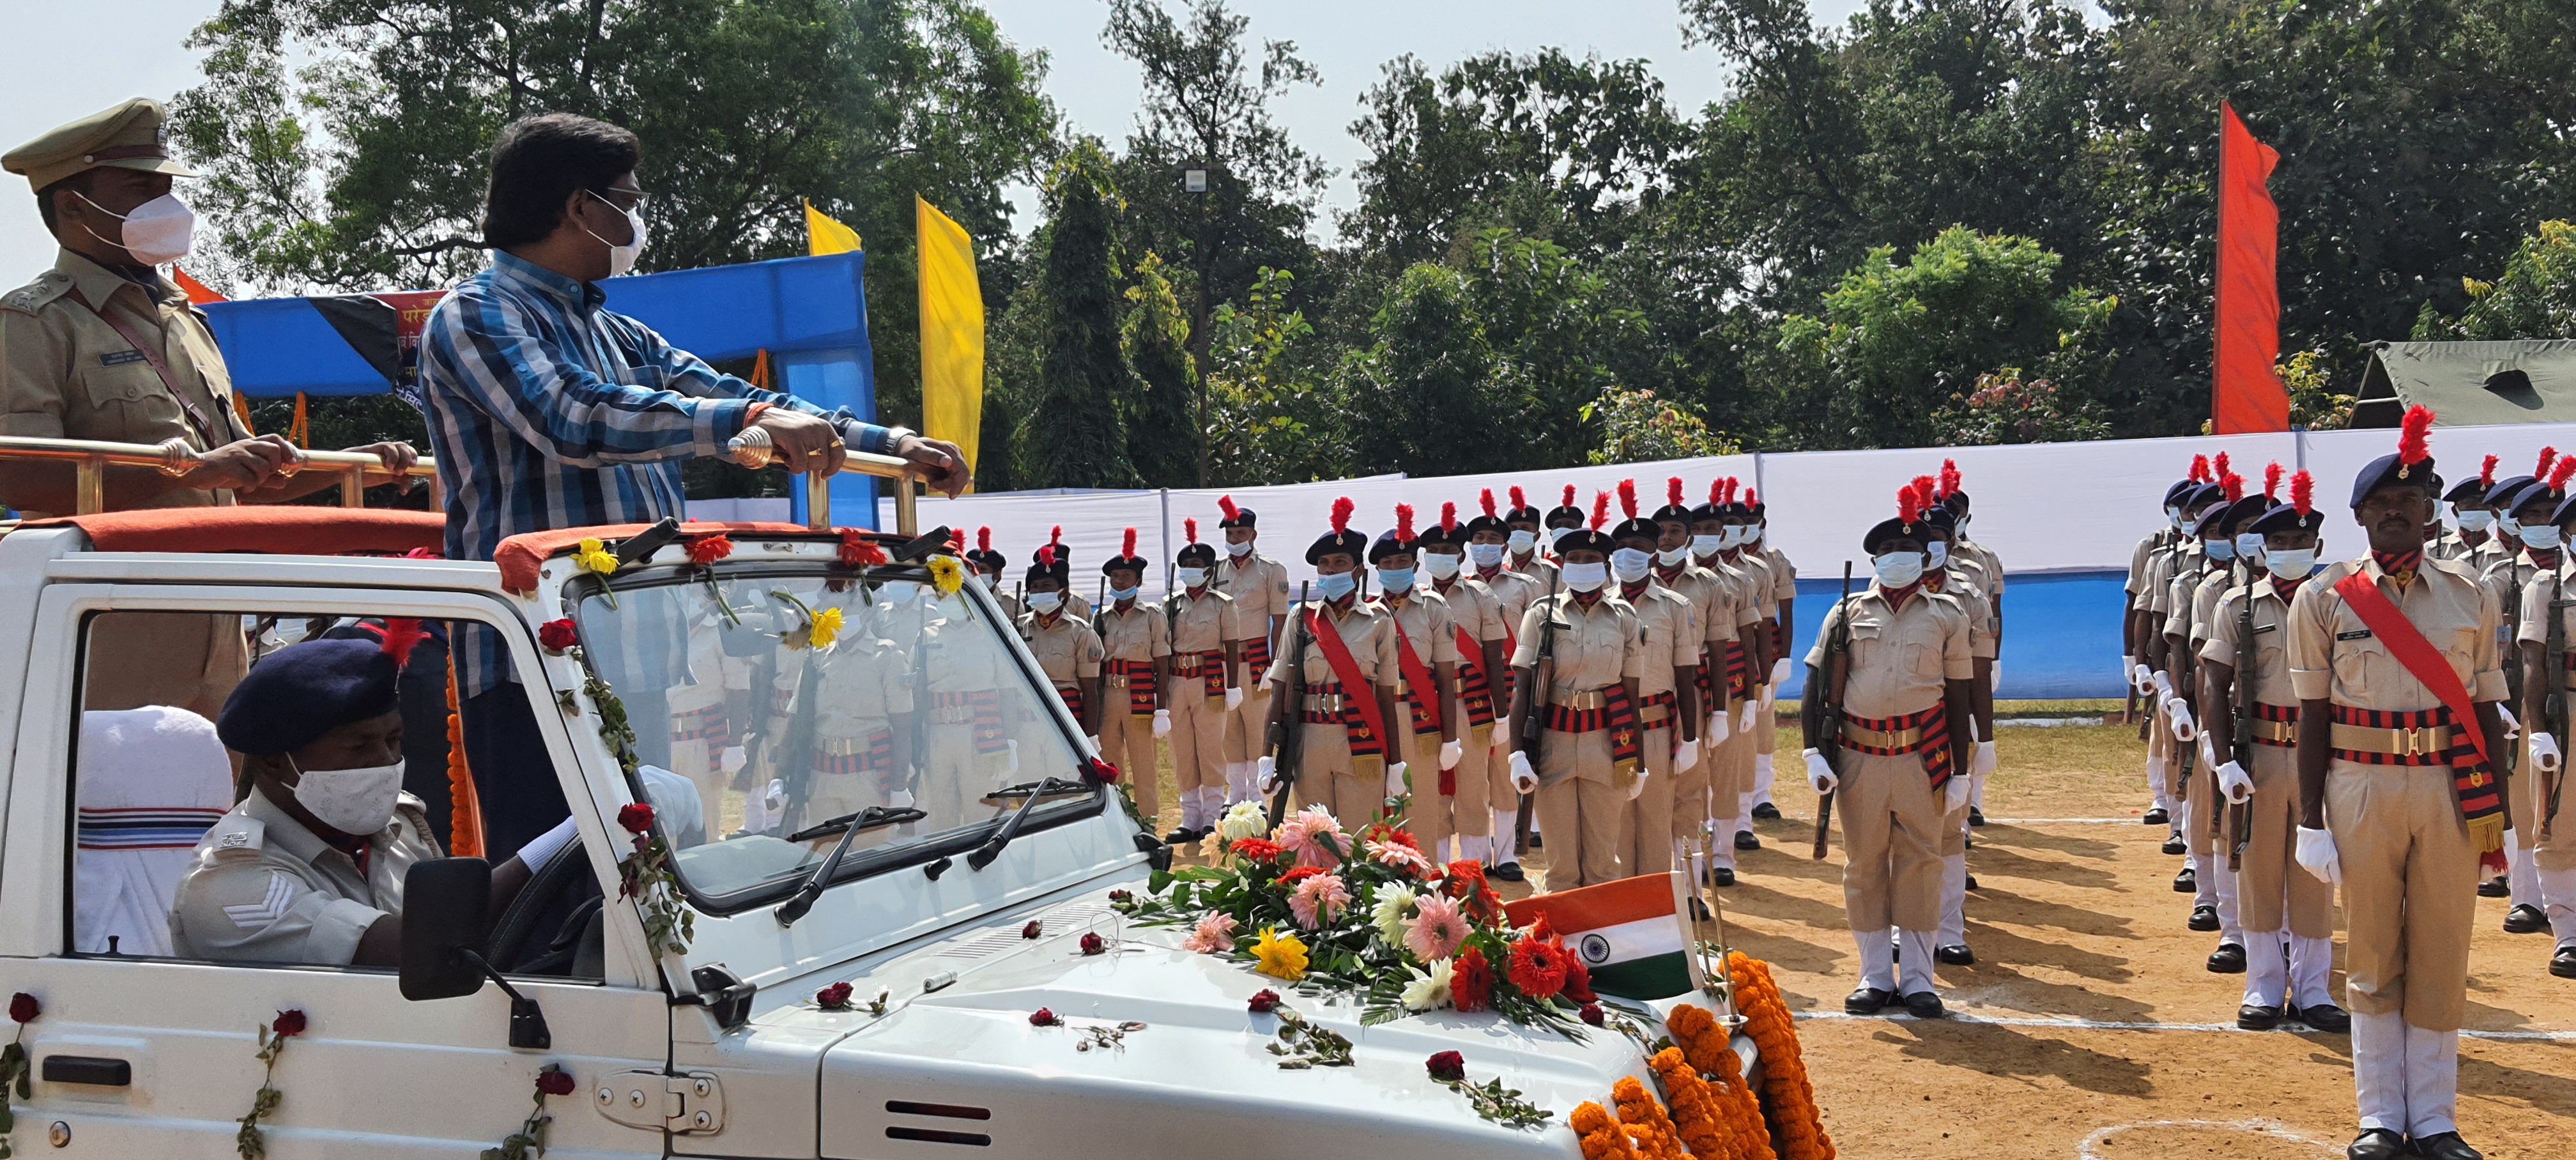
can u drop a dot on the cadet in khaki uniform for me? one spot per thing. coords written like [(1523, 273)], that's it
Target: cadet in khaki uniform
[(1949, 575), (1139, 645), (2475, 521), (1669, 638), (989, 566), (1426, 654), (1904, 701), (1066, 648), (2547, 826), (1492, 542), (1749, 664), (2508, 581), (102, 347), (1766, 723), (1582, 678), (2399, 795), (1343, 763), (862, 731), (1206, 684), (1714, 604), (967, 728), (1073, 605), (1715, 550), (2287, 914), (1258, 585), (1483, 646), (2190, 564), (2228, 548), (2150, 674)]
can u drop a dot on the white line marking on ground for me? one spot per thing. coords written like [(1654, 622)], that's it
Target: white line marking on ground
[(2090, 1149), (2131, 820), (2101, 1025)]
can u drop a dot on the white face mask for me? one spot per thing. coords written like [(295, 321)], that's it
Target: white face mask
[(1046, 601), (621, 259), (158, 231), (1897, 569), (1238, 550), (2290, 564), (1630, 565), (1441, 565), (2510, 526), (1190, 577), (1939, 552), (1753, 532), (897, 591), (1706, 545), (2174, 515), (1586, 577), (1672, 557), (1522, 540), (352, 801), (2476, 521), (1486, 555), (2249, 545), (1556, 536), (2541, 536), (1122, 594)]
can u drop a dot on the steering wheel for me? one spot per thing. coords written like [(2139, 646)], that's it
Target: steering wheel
[(553, 887)]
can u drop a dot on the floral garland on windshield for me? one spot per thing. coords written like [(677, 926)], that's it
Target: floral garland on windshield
[(1370, 915), (644, 875)]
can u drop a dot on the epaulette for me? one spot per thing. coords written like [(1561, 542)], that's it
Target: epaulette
[(36, 295), (236, 834)]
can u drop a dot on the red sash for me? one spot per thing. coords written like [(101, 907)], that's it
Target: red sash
[(1368, 724), (2481, 803), (1475, 691), (1417, 686)]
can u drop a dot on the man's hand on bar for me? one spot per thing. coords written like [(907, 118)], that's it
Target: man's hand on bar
[(947, 463)]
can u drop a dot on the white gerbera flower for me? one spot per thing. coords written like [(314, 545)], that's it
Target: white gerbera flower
[(1428, 989), (1245, 820), (1392, 903)]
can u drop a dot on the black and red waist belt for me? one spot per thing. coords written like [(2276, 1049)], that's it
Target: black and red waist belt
[(1071, 695), (1739, 671), (873, 753), (1256, 659), (1330, 704), (709, 724), (1655, 710), (1142, 695), (980, 710), (2385, 737), (2276, 725), (1926, 732), (1608, 708), (1208, 667)]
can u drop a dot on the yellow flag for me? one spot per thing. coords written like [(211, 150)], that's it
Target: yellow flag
[(825, 236), (952, 332)]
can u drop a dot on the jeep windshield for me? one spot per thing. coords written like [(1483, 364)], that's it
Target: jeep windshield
[(779, 699)]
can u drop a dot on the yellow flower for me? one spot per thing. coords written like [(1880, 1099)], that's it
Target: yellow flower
[(1280, 956), (827, 628), (947, 574), (594, 556)]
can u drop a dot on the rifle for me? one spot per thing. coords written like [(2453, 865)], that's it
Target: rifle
[(1288, 704), (2553, 708), (1829, 709), (1534, 722), (2240, 817), (2513, 673), (2180, 665)]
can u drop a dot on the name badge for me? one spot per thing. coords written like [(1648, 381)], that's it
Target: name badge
[(2356, 634), (120, 358), (2260, 629)]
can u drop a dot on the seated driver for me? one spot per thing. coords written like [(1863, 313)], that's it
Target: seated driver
[(309, 867)]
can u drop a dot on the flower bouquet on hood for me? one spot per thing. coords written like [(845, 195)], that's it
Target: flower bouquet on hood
[(1368, 914)]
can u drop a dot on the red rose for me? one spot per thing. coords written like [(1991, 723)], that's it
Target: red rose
[(1578, 980), (1447, 1066), (1591, 1013), (24, 1008), (1264, 1002), (857, 551), (1471, 985), (1092, 943), (1043, 1017), (1100, 771), (1032, 930), (554, 1082), (1256, 849), (1121, 896), (836, 996), (1538, 967), (289, 1024), (636, 817), (709, 549), (557, 635)]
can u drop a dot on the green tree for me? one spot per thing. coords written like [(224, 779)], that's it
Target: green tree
[(2535, 297), (1434, 396), (1271, 417), (1162, 428), (1074, 431), (1637, 427)]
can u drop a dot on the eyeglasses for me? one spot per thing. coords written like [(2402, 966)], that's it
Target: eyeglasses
[(624, 199)]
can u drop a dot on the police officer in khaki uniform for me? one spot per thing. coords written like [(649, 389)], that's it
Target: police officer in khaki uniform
[(1670, 637), (2549, 827), (1482, 642), (1581, 676), (1426, 654), (1766, 723), (1904, 732), (1715, 605), (1066, 648), (1493, 541), (1139, 645), (1205, 686), (2400, 796), (1949, 575), (102, 347), (1258, 585), (1344, 762)]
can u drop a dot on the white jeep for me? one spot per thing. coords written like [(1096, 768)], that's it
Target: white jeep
[(971, 874)]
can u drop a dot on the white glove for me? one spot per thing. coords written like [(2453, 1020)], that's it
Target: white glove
[(2544, 753), (1685, 755), (1984, 762), (1262, 771), (2208, 755), (2129, 665), (2139, 678), (1094, 739), (1524, 778), (2316, 854), (2164, 686), (731, 761), (1780, 670), (775, 797), (1820, 774), (1162, 722), (900, 799), (1396, 784), (1233, 699), (1954, 794), (1015, 757), (1717, 730), (1450, 752), (2235, 783), (2512, 728), (545, 846), (1995, 675), (1637, 788), (2183, 727), (1747, 722)]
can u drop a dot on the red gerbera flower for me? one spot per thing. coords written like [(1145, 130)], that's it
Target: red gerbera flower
[(709, 549), (858, 551), (1471, 984), (1466, 883), (1256, 849), (1538, 967), (1299, 874), (1578, 980)]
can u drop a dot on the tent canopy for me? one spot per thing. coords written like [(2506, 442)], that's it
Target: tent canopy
[(2469, 383)]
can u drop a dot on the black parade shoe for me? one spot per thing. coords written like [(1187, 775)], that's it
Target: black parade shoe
[(2157, 818), (2256, 1018), (2187, 882), (1766, 811), (2325, 1017), (1867, 1001), (1957, 955), (1923, 1005), (2376, 1144), (2228, 959), (2525, 919), (2204, 919), (2496, 887)]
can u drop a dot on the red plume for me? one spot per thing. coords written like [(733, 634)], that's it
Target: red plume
[(1342, 509), (2486, 474), (2303, 493), (1949, 478), (1190, 529), (2411, 446), (1449, 516), (2200, 469), (1404, 523), (402, 633), (1909, 502), (1569, 495), (2272, 482), (2558, 475), (2218, 469), (1046, 555), (1628, 497), (983, 539), (2233, 487), (957, 539), (1600, 509), (1749, 500), (1716, 492), (1673, 491), (2548, 456), (1486, 498), (1730, 489), (1127, 544), (1055, 535), (1225, 503), (1518, 501)]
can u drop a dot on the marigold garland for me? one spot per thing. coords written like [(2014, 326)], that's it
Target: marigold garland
[(1648, 1127), (1602, 1136), (1785, 1087), (1696, 1115), (1707, 1047)]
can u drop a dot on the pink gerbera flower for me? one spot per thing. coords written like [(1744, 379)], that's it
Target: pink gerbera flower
[(1318, 900), (1215, 935), (1306, 835), (1436, 928), (1399, 856)]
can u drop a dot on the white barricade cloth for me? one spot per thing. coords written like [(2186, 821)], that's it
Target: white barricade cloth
[(151, 782)]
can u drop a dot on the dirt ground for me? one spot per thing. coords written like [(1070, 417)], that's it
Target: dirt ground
[(2076, 923)]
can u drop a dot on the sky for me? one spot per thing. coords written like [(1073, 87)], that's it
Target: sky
[(1347, 40)]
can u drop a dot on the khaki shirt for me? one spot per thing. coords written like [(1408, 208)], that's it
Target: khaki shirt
[(1514, 592), (264, 889), (1365, 630), (1758, 585), (1203, 625), (2173, 609), (1426, 625), (2271, 675), (2507, 584), (1784, 575), (1712, 603), (1900, 657), (2447, 546), (1594, 648), (2140, 559), (2334, 656), (2160, 573), (863, 685), (65, 373), (1474, 607), (1537, 567), (1669, 636), (1982, 643), (1259, 586), (1066, 648), (1994, 564), (1135, 633), (960, 656), (2204, 601)]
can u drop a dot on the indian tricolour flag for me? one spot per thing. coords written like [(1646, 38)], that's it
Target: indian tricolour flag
[(1629, 933)]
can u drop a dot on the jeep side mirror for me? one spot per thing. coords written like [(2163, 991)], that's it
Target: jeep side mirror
[(446, 916)]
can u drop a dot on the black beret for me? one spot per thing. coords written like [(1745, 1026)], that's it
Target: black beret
[(1893, 528), (2538, 492), (1235, 517), (2565, 510), (2389, 471), (1586, 540), (295, 695), (1345, 541), (2180, 493), (2471, 491), (2503, 489), (1196, 554), (988, 560), (2282, 517), (1388, 543), (1634, 526)]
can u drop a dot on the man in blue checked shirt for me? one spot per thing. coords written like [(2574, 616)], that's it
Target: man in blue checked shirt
[(548, 411)]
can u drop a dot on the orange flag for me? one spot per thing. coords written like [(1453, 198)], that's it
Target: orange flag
[(2246, 395), (198, 293)]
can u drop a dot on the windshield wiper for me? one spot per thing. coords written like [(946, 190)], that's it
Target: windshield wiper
[(849, 827), (1041, 788)]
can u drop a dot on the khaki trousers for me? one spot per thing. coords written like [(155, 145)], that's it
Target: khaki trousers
[(1646, 824), (1198, 739), (2530, 799), (1437, 816), (1692, 797), (1766, 723), (2271, 889), (1892, 823), (1247, 728), (1579, 808), (2410, 881), (2196, 808), (1127, 741), (954, 780), (1327, 777)]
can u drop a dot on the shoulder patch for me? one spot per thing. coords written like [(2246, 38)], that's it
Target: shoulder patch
[(237, 833), (36, 295)]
